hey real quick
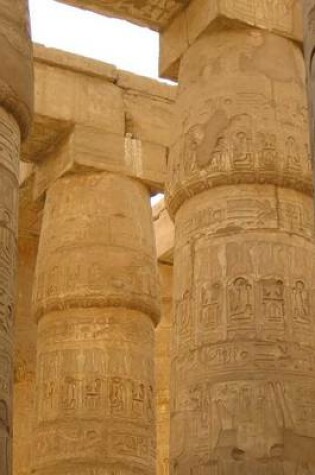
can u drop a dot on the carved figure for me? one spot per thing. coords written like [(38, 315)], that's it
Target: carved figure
[(293, 157), (268, 155), (242, 152), (240, 299), (220, 156), (273, 299), (301, 308), (210, 311)]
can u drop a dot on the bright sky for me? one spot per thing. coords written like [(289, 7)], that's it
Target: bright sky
[(118, 42), (81, 32)]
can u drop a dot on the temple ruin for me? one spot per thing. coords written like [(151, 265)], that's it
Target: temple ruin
[(180, 339)]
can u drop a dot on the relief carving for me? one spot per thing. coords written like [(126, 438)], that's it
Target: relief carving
[(242, 152), (210, 305), (301, 303), (272, 291), (240, 301)]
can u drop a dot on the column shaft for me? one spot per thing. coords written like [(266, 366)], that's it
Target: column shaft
[(309, 32), (9, 161), (243, 398), (16, 83), (25, 337), (96, 301), (163, 366)]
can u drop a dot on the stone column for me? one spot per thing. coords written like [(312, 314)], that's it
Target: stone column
[(309, 36), (96, 304), (15, 118), (25, 331), (162, 365), (240, 191)]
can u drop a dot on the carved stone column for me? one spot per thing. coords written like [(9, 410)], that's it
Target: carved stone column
[(162, 365), (96, 303), (309, 35), (240, 190), (15, 118)]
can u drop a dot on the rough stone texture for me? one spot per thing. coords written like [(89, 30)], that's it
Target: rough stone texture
[(155, 14), (16, 75), (25, 334), (16, 83), (162, 370), (65, 137), (240, 190), (283, 17), (25, 357), (97, 303), (97, 117), (309, 34), (9, 160)]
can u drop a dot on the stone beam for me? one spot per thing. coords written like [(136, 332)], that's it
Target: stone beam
[(99, 117), (78, 90), (89, 149), (154, 14), (280, 17)]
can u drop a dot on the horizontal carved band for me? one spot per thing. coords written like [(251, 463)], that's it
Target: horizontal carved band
[(196, 185), (150, 308)]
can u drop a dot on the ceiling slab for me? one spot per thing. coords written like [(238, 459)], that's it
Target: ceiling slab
[(155, 14)]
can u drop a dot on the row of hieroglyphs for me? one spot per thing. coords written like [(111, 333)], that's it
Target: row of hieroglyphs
[(255, 290), (237, 152)]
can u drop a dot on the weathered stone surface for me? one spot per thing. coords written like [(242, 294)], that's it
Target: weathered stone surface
[(240, 191), (224, 134), (163, 367), (25, 339), (152, 13), (16, 105), (9, 160), (309, 27), (80, 91), (94, 117), (278, 16), (97, 303), (16, 74), (88, 149)]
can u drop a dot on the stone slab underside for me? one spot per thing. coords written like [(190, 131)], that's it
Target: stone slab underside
[(155, 14)]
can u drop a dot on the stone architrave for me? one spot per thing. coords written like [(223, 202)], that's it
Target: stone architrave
[(240, 192), (16, 84), (309, 36), (96, 301)]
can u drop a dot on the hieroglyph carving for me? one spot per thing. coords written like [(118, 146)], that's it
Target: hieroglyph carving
[(239, 189), (9, 159), (97, 302), (16, 76), (309, 30)]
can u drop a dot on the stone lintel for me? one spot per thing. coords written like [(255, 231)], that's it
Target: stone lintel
[(72, 90), (89, 149), (279, 17), (154, 14)]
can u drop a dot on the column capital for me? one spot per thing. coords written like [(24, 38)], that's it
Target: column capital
[(16, 73), (281, 17)]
